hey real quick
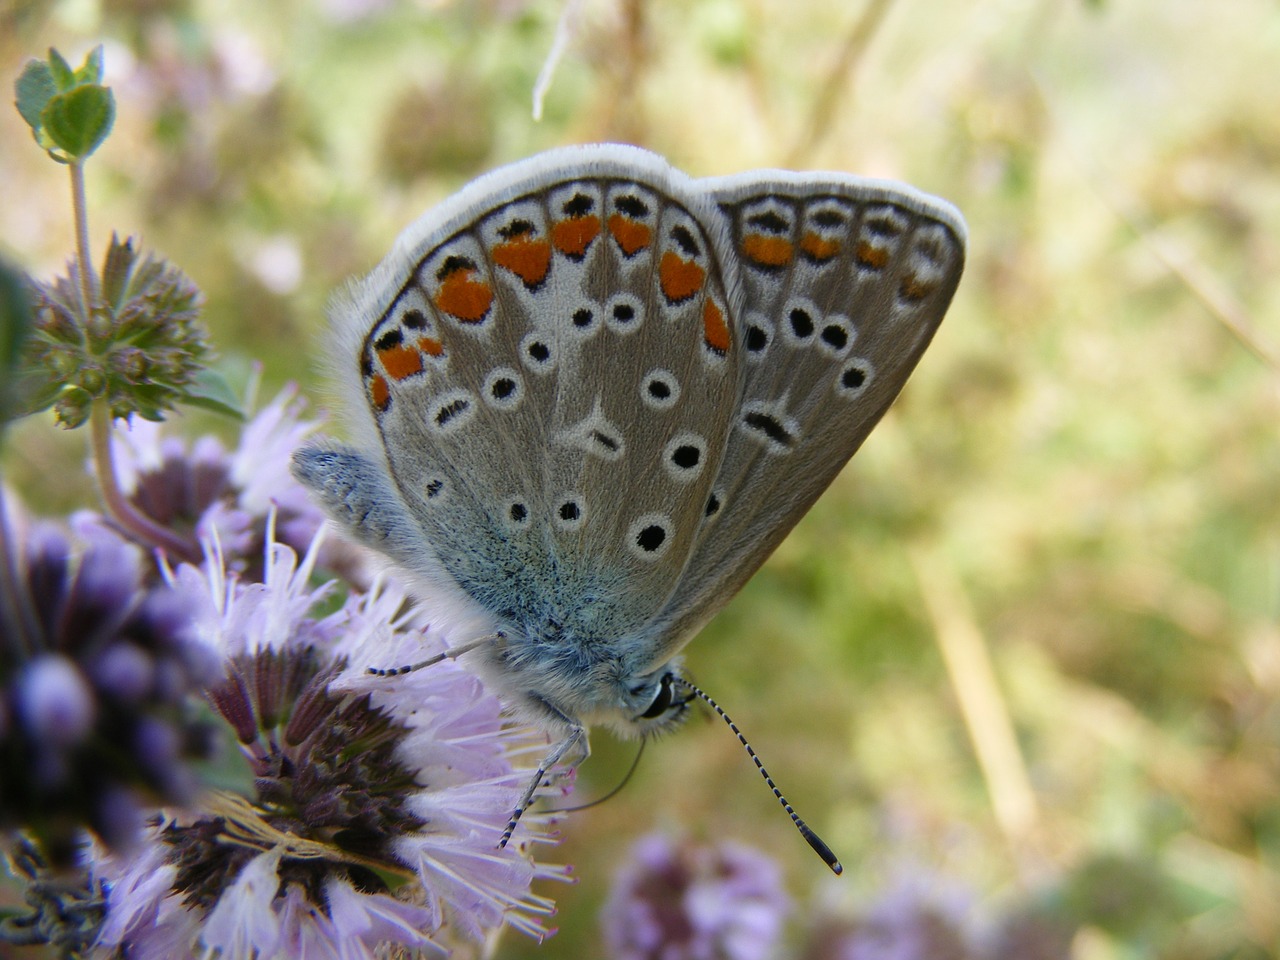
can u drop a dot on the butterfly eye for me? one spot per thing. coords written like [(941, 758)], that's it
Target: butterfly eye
[(661, 700)]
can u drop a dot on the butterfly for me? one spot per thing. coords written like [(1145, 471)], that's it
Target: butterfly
[(592, 394)]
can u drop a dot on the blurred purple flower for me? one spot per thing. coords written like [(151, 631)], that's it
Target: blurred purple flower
[(919, 917), (673, 900), (95, 669), (377, 803)]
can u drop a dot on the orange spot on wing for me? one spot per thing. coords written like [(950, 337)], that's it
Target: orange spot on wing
[(913, 288), (632, 235), (462, 297), (572, 237), (869, 256), (431, 346), (379, 392), (714, 330), (818, 248), (527, 258), (400, 361), (767, 251), (680, 278)]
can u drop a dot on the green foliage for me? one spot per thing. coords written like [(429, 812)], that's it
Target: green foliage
[(139, 345), (70, 112)]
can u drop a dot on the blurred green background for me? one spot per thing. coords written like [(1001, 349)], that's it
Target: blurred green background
[(1027, 644)]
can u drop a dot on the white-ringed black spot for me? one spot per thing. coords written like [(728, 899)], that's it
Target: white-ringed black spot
[(685, 456), (579, 205), (828, 218), (769, 424), (414, 319), (659, 389), (854, 378), (536, 353), (516, 228), (770, 222), (713, 505), (649, 536), (582, 317), (569, 514), (684, 240), (801, 321), (450, 411), (835, 336), (435, 486), (518, 513), (608, 443), (503, 388), (756, 339), (632, 206), (624, 314), (392, 338), (883, 225), (452, 264)]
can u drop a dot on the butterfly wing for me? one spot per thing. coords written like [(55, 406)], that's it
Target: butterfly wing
[(846, 281), (548, 368)]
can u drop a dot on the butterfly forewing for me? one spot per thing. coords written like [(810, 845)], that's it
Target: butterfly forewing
[(845, 283), (554, 386)]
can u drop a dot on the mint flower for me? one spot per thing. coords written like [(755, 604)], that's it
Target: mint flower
[(93, 720), (676, 900), (375, 811)]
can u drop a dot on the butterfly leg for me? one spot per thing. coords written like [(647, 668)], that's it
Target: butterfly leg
[(576, 739)]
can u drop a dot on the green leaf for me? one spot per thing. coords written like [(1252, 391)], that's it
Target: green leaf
[(209, 391), (91, 70), (32, 91), (79, 120), (63, 75)]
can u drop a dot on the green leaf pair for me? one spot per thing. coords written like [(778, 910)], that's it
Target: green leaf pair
[(69, 111)]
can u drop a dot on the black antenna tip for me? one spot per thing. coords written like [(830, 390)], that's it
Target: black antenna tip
[(821, 849)]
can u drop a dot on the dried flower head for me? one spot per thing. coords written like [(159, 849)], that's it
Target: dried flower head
[(138, 345)]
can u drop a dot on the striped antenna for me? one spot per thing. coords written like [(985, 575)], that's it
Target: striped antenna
[(815, 841)]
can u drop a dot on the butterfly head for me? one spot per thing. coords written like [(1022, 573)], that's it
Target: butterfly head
[(666, 698)]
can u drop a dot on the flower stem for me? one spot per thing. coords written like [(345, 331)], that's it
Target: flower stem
[(118, 506), (88, 279)]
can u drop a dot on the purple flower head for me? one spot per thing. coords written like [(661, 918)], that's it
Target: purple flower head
[(919, 916), (95, 670), (206, 492), (374, 815), (675, 900)]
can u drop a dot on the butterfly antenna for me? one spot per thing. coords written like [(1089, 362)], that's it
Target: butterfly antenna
[(819, 846), (635, 765)]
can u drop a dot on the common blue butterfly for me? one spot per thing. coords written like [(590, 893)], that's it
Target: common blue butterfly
[(593, 394)]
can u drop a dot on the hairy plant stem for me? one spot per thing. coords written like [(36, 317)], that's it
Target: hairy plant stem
[(88, 279), (117, 504)]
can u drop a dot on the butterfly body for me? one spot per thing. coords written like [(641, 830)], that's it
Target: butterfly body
[(593, 394)]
